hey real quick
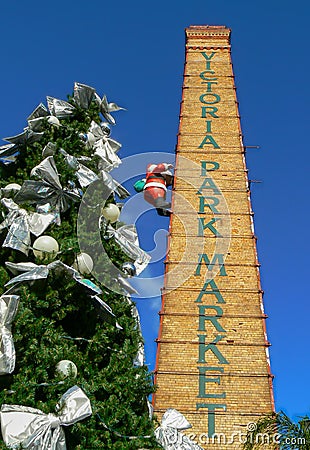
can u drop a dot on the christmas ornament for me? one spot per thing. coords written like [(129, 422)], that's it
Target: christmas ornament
[(66, 368), (52, 120), (20, 224), (59, 108), (88, 139), (129, 269), (168, 434), (45, 247), (106, 108), (83, 263), (49, 149), (127, 238), (8, 310), (111, 212), (83, 95), (25, 427), (48, 189), (105, 127)]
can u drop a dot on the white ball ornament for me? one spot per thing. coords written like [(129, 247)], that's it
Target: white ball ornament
[(83, 263), (111, 212), (66, 368), (45, 247), (53, 121)]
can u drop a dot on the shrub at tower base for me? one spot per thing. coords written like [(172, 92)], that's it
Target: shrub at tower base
[(53, 309)]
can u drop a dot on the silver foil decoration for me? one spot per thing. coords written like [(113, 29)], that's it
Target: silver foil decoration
[(29, 272), (106, 150), (48, 190), (86, 176), (83, 95), (127, 238), (8, 310), (168, 434), (30, 428), (39, 111), (27, 136), (20, 224), (8, 153), (106, 108), (59, 108)]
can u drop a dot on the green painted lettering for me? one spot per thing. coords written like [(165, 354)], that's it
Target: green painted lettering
[(212, 319), (203, 348), (216, 99), (208, 183), (204, 167), (212, 206), (211, 415), (209, 110), (203, 380), (202, 226), (209, 140), (217, 257), (214, 291)]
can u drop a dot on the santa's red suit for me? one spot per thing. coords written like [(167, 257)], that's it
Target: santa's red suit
[(158, 177)]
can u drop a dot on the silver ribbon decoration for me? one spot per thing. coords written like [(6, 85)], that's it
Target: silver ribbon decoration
[(29, 272), (86, 176), (139, 359), (168, 434), (83, 95), (106, 108), (39, 111), (106, 150), (59, 108), (8, 153), (8, 310), (21, 224), (27, 136), (127, 238), (48, 190), (30, 428)]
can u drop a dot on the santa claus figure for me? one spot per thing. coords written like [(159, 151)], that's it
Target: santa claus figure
[(158, 178)]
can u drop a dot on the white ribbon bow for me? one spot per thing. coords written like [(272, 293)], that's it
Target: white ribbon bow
[(30, 428), (168, 434)]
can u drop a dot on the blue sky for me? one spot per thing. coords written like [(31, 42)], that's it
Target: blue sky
[(134, 52)]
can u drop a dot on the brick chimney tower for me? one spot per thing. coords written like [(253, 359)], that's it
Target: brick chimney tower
[(212, 358)]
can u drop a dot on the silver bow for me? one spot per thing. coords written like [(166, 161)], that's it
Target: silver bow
[(26, 137), (83, 95), (21, 224), (29, 272), (168, 434), (106, 108), (59, 108), (39, 111), (8, 153), (48, 190), (8, 310), (86, 176), (30, 428), (127, 238)]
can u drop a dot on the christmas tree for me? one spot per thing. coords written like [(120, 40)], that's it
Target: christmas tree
[(71, 343)]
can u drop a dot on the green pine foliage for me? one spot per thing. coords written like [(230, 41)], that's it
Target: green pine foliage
[(58, 320)]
